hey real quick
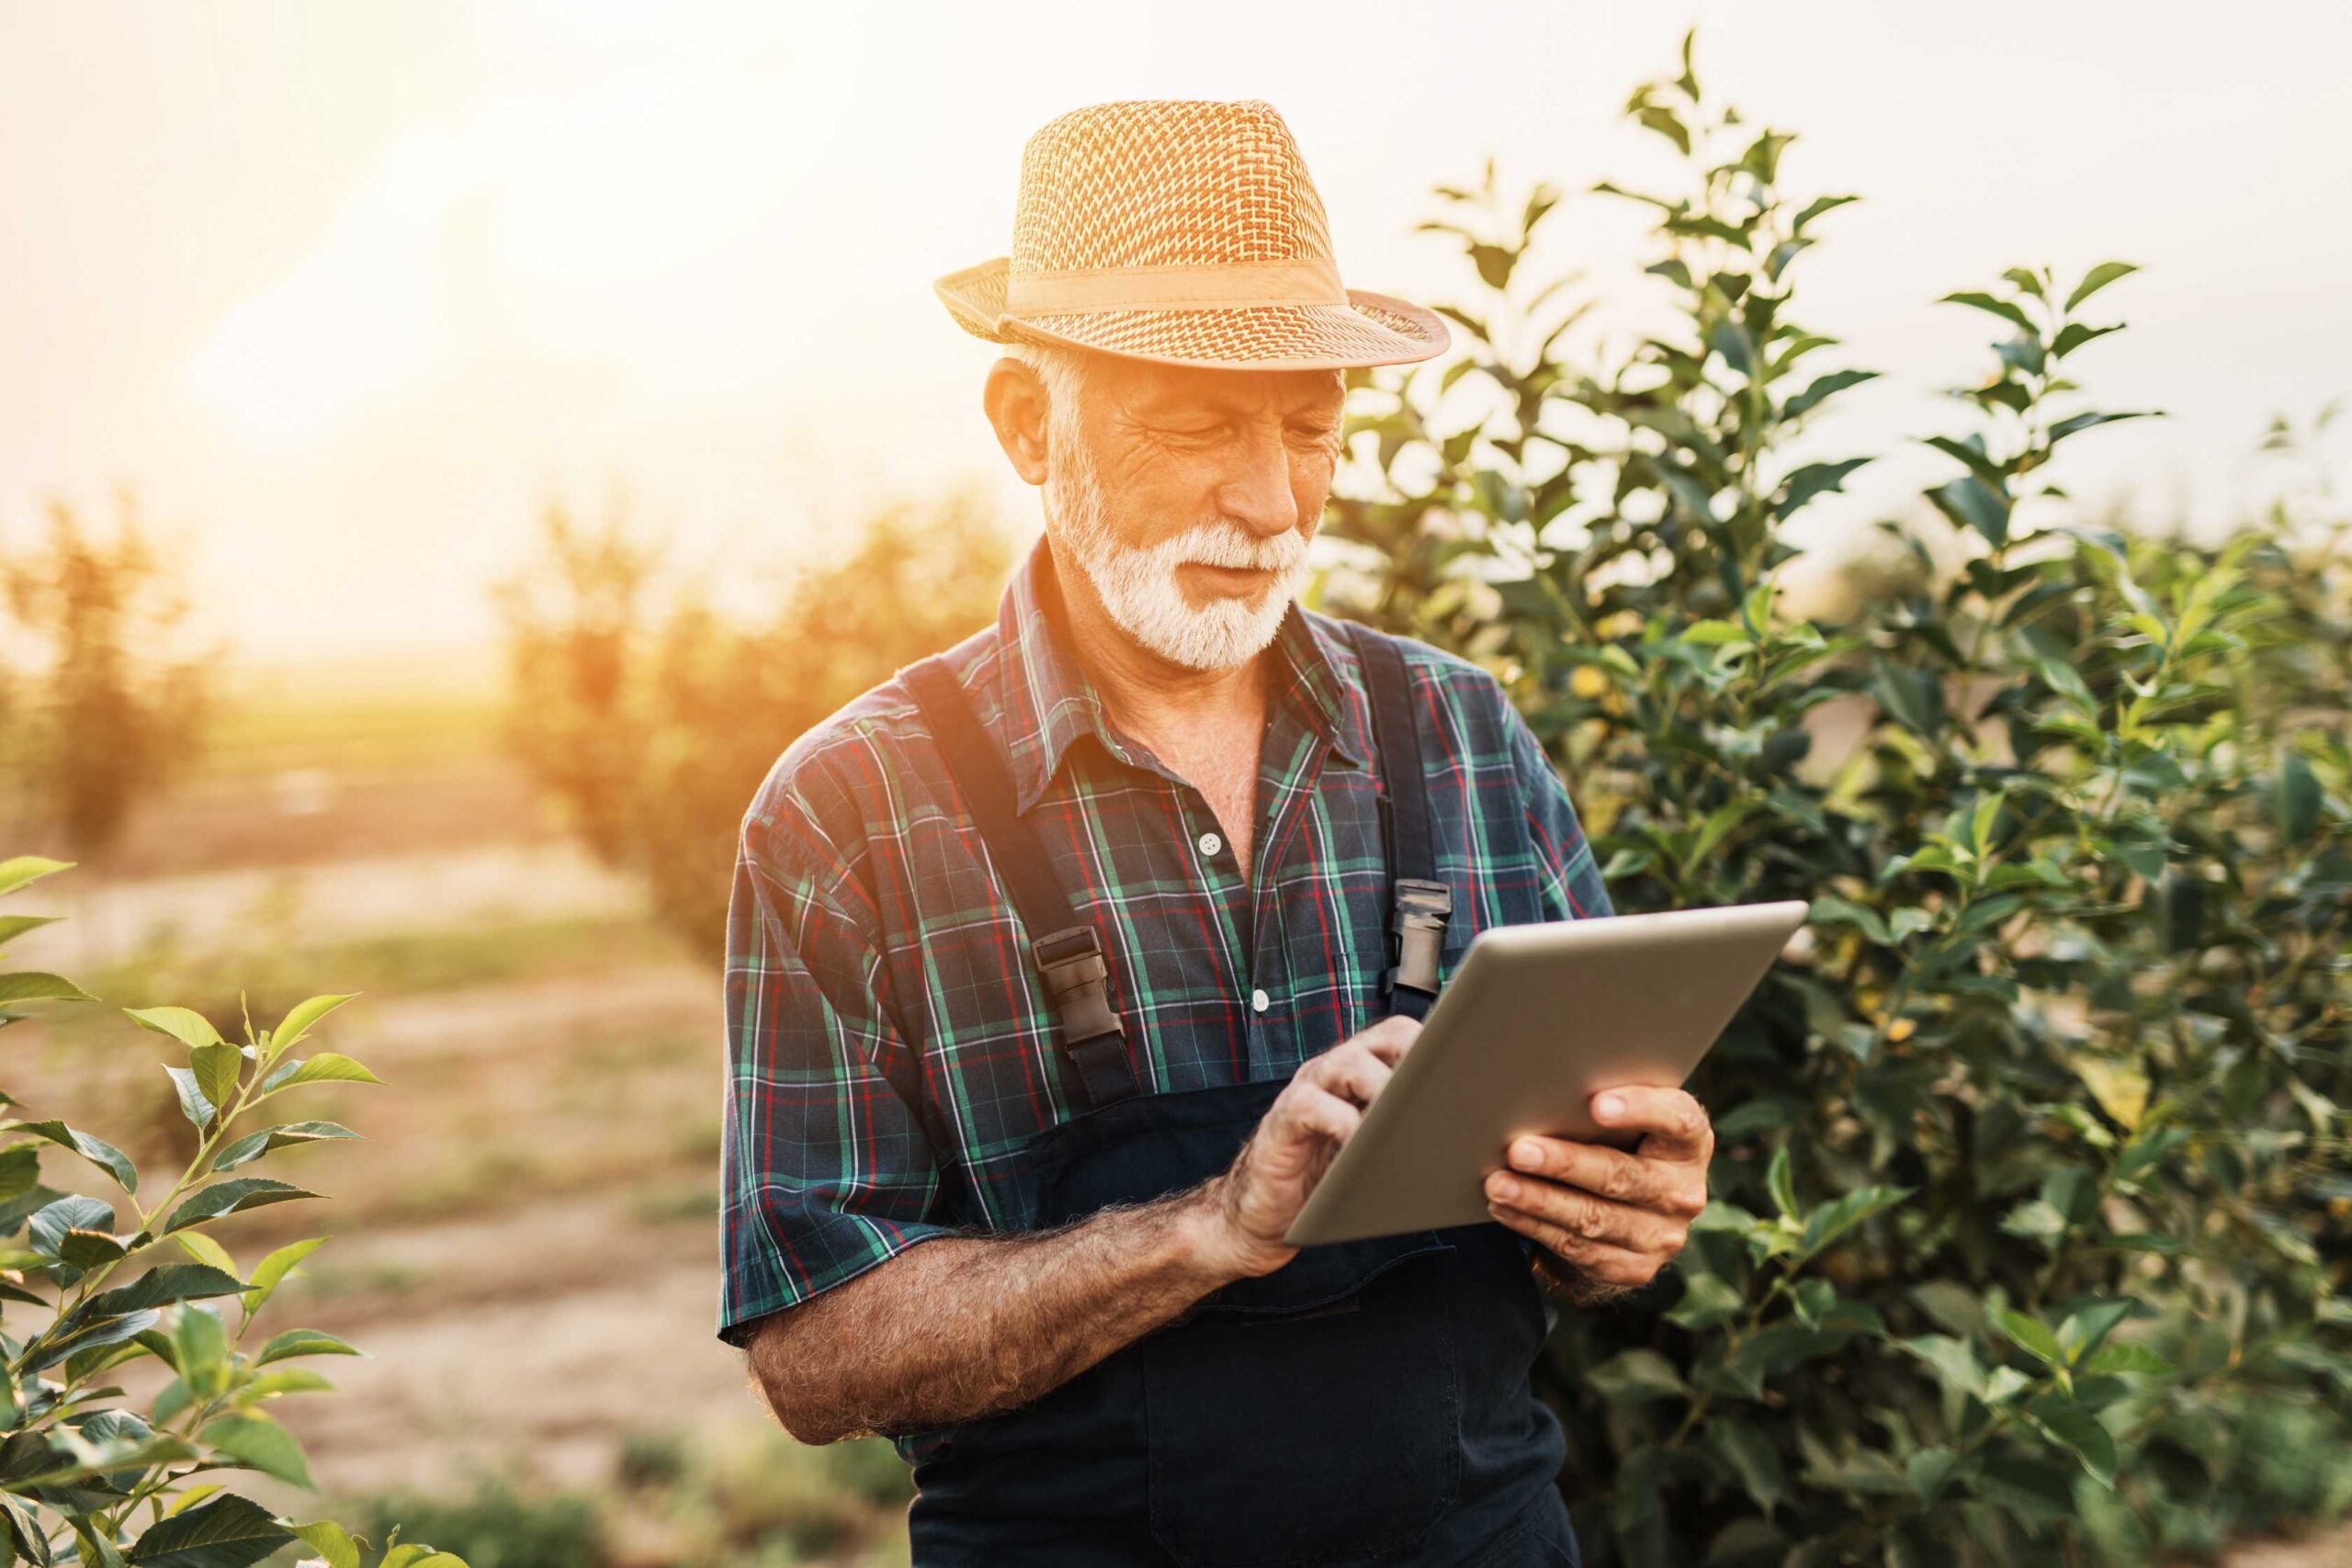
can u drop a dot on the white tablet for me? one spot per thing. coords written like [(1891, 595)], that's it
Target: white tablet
[(1536, 1020)]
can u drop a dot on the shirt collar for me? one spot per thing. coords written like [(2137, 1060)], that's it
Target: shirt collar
[(1049, 702)]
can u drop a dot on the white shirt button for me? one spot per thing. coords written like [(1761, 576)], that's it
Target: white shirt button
[(1259, 1001), (1210, 843)]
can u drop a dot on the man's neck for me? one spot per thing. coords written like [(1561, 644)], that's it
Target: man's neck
[(1151, 697)]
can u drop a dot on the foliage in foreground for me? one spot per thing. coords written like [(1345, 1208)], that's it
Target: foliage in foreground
[(94, 1284), (2029, 1239)]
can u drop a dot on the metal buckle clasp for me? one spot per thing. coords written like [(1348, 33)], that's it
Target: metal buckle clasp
[(1077, 976), (1419, 919)]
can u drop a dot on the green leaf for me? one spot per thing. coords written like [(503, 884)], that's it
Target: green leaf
[(1822, 388), (2097, 278), (419, 1557), (1780, 1184), (1815, 208), (160, 1286), (253, 1145), (1928, 1470), (1813, 479), (185, 1025), (2296, 798), (2073, 334), (2032, 1334), (200, 1339), (2125, 1357), (52, 1222), (327, 1066), (1952, 1360), (204, 1249), (1977, 300), (1970, 504), (85, 1336), (301, 1019), (1748, 1451), (217, 1067), (2079, 1432), (303, 1342), (1638, 1374), (1708, 1300), (193, 1105), (330, 1542), (1833, 1219), (17, 872), (272, 1272), (228, 1532), (31, 985), (98, 1150), (230, 1198), (2081, 421), (15, 926), (262, 1443)]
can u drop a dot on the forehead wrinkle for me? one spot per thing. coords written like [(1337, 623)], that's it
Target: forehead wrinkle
[(1230, 392)]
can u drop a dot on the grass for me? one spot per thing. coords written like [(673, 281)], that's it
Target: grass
[(406, 964), (749, 1498), (355, 719)]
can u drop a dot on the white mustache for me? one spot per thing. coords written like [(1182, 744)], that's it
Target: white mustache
[(1223, 544)]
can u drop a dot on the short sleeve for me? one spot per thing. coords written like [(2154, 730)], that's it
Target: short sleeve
[(1571, 875), (826, 1169)]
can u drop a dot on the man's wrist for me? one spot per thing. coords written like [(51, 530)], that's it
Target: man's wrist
[(1200, 1237)]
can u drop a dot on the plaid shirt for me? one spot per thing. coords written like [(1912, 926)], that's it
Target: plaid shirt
[(885, 1028)]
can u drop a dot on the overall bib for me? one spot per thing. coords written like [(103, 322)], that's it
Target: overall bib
[(1366, 1403)]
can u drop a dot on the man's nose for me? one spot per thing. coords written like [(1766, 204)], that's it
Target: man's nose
[(1256, 488)]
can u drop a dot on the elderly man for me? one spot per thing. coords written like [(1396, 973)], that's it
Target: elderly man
[(1062, 963)]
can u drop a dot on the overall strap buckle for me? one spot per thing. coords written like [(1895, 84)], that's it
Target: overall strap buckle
[(1419, 919), (1076, 975)]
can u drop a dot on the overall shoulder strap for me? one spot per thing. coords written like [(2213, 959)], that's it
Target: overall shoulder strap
[(1419, 903), (1069, 954)]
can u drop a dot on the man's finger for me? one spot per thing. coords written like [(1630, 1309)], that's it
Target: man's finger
[(1675, 1126), (1664, 1187), (1602, 1260), (1315, 1110), (1389, 1039), (1351, 1074), (1577, 1212)]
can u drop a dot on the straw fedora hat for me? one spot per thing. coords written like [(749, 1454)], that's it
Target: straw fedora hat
[(1182, 230)]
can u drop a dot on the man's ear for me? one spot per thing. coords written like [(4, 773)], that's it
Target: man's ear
[(1017, 404)]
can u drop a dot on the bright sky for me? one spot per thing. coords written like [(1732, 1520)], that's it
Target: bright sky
[(347, 292)]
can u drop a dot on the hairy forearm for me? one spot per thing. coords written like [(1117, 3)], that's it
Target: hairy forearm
[(959, 1326)]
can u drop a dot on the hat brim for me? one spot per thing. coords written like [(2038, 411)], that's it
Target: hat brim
[(1370, 328)]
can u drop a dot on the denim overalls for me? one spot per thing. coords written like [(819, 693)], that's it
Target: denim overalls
[(1366, 1403)]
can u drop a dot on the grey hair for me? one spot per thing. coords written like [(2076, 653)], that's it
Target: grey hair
[(1063, 370)]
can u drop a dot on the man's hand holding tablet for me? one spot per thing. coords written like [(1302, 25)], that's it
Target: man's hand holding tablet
[(1544, 1092), (1611, 1218)]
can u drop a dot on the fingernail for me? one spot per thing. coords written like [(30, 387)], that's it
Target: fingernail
[(1526, 1151), (1608, 1105), (1504, 1187)]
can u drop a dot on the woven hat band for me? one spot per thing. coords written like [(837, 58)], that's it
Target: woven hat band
[(1193, 287)]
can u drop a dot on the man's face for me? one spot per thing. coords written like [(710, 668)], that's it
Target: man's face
[(1187, 498)]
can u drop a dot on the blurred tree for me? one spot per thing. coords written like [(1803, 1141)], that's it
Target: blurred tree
[(652, 719), (108, 700)]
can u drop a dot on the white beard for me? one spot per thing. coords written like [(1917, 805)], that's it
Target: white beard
[(1138, 587)]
